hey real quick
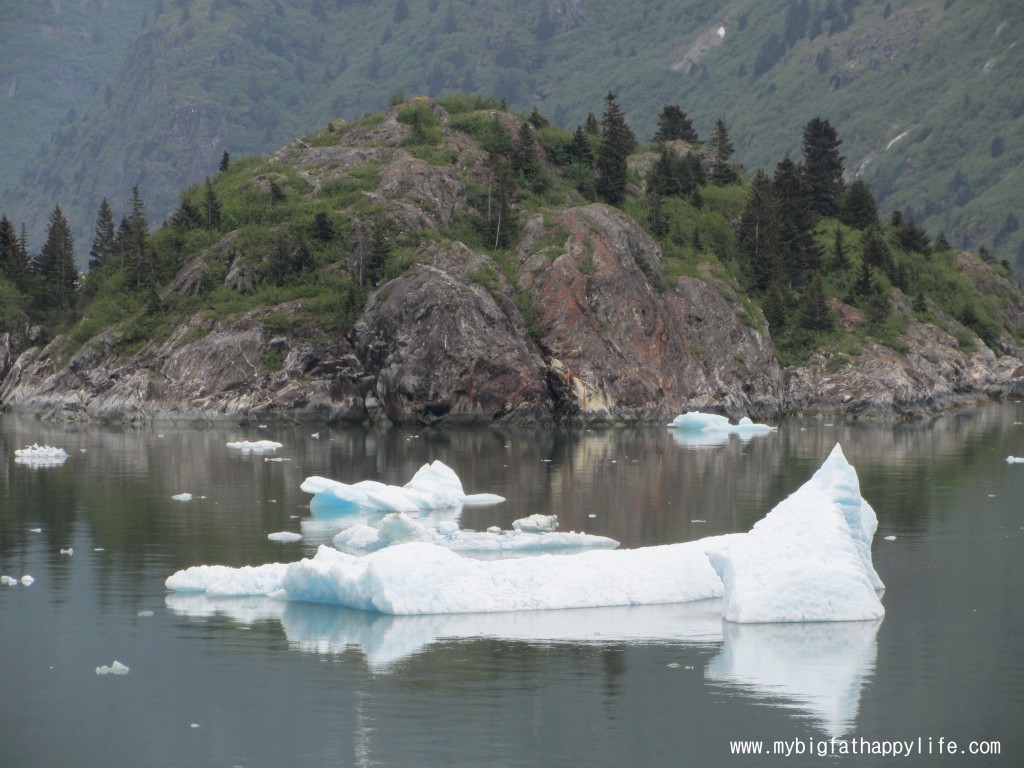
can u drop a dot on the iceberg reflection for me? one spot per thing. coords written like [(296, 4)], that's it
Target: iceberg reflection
[(817, 668)]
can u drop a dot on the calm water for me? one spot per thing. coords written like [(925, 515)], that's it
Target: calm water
[(258, 683)]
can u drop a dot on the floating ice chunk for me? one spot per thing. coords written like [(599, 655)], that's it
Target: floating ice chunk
[(68, 551), (890, 538), (8, 581), (1015, 460), (536, 523), (182, 497), (695, 421), (40, 455), (144, 614), (259, 446), (808, 559), (743, 426), (434, 486), (117, 668), (223, 580), (400, 528), (27, 580), (285, 536)]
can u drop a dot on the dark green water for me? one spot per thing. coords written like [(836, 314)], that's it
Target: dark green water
[(269, 684)]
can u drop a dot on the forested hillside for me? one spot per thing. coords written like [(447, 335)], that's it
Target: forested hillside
[(454, 260), (923, 92)]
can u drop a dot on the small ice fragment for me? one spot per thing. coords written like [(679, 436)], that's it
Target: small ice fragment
[(991, 495), (68, 551), (315, 435), (144, 614), (890, 538), (494, 529), (194, 725), (591, 515), (182, 497), (37, 530), (673, 665), (258, 446), (99, 549), (284, 536), (698, 521), (117, 668), (8, 581), (27, 580), (536, 523), (1014, 460)]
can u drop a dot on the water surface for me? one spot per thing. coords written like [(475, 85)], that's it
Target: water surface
[(259, 683)]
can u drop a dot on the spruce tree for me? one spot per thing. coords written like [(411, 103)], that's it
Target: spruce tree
[(225, 162), (56, 263), (211, 206), (823, 165), (816, 314), (524, 154), (759, 231), (617, 141), (137, 245), (722, 149), (858, 208), (798, 251), (673, 124), (103, 242), (14, 260)]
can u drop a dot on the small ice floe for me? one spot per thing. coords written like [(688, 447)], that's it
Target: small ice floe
[(1015, 460), (673, 665), (117, 668), (434, 486), (194, 725), (275, 458), (36, 530), (68, 551), (890, 538), (40, 455), (536, 524), (144, 614), (182, 497), (27, 580), (258, 446), (284, 536), (8, 581), (315, 435)]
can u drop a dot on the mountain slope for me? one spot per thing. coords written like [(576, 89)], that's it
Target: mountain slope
[(922, 92)]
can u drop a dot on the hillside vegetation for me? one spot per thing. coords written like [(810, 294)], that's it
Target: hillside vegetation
[(923, 92), (336, 228)]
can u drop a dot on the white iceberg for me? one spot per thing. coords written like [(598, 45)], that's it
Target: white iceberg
[(8, 581), (40, 455), (182, 497), (1014, 460), (27, 580), (528, 536), (259, 446), (284, 536), (700, 430), (808, 560), (434, 486), (117, 668)]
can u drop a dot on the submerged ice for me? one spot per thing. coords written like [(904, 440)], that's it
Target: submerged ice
[(809, 559)]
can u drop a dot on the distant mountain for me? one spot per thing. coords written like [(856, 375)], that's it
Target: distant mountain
[(924, 93)]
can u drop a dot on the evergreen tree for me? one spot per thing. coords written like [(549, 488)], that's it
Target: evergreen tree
[(14, 261), (862, 285), (380, 251), (759, 231), (878, 301), (56, 263), (722, 149), (912, 237), (524, 155), (137, 246), (617, 141), (591, 126), (225, 161), (211, 206), (323, 228), (815, 312), (103, 242), (858, 208), (840, 259), (798, 251), (673, 124), (188, 215), (823, 165), (874, 252)]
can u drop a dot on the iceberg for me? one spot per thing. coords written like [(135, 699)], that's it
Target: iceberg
[(528, 536), (117, 668), (808, 560), (258, 446), (284, 536), (40, 455), (434, 486), (1014, 460), (699, 430)]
